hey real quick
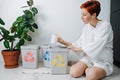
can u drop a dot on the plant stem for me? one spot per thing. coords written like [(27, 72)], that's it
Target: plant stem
[(2, 36), (1, 39), (11, 45), (14, 46)]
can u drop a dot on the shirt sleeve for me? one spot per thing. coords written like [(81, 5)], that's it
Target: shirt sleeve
[(94, 49), (78, 43)]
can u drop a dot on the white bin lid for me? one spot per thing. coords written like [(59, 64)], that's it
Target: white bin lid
[(54, 47), (30, 46), (47, 45), (59, 49)]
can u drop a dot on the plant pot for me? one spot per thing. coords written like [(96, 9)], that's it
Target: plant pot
[(11, 58)]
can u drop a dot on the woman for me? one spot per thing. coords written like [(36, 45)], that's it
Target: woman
[(95, 43)]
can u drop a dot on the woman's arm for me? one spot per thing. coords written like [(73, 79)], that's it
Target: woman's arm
[(68, 44), (75, 49), (62, 41)]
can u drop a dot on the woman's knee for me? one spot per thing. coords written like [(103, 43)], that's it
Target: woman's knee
[(94, 74), (74, 72), (91, 75), (77, 70)]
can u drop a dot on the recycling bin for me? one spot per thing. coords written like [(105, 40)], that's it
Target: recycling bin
[(59, 60), (30, 56), (45, 50)]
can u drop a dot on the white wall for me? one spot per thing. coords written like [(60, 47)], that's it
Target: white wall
[(55, 16)]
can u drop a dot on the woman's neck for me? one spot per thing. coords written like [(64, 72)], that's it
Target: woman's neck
[(94, 22)]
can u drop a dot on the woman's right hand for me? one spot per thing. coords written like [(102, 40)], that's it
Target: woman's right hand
[(62, 41), (59, 39)]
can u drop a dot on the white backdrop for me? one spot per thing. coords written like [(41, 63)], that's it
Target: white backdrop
[(55, 16)]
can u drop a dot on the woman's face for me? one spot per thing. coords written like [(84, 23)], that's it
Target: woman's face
[(86, 16)]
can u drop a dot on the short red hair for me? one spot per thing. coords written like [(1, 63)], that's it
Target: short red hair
[(92, 7)]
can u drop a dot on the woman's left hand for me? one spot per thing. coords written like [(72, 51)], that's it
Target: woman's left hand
[(76, 49)]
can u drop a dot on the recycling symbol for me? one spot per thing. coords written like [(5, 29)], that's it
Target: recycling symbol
[(58, 61), (29, 57), (46, 55)]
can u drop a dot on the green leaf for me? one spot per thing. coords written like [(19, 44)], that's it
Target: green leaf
[(31, 21), (31, 29), (28, 38), (19, 30), (3, 29), (24, 18), (13, 29), (18, 46), (15, 24), (16, 35), (34, 10), (11, 38), (2, 22), (22, 24), (26, 29), (6, 44), (5, 32), (28, 14), (19, 19), (21, 42), (35, 26)]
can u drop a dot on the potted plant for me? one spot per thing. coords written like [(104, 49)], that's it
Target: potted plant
[(16, 36)]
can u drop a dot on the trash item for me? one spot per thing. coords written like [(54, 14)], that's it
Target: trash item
[(53, 39)]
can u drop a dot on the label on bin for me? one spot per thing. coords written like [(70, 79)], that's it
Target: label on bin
[(28, 57), (58, 61), (46, 55)]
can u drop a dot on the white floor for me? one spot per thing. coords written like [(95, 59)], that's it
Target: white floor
[(42, 73)]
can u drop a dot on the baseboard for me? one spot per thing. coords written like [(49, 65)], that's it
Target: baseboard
[(116, 63)]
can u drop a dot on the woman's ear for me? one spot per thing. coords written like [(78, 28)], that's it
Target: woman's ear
[(94, 15)]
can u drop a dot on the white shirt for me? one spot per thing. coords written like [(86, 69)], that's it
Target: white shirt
[(97, 42)]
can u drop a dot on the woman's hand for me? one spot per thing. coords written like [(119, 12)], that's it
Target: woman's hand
[(59, 39), (62, 41), (75, 49)]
